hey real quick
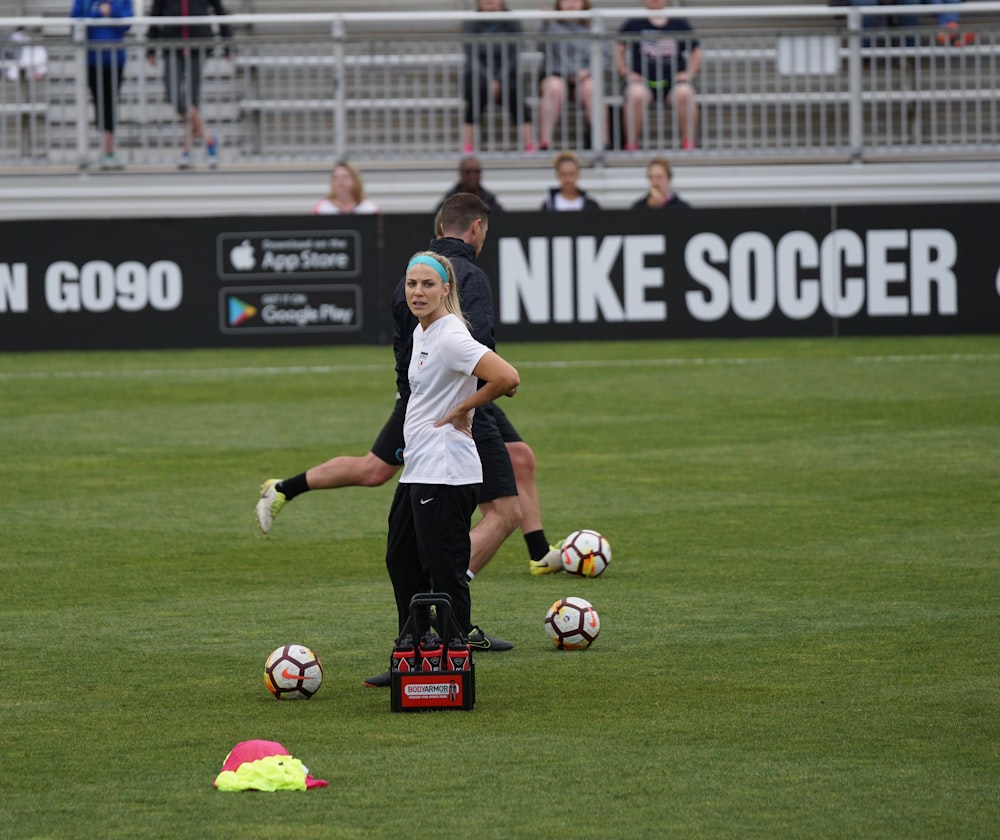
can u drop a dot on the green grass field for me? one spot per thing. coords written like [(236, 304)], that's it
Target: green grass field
[(800, 624)]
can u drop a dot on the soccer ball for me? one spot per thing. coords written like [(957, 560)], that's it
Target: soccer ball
[(585, 553), (293, 672), (572, 623)]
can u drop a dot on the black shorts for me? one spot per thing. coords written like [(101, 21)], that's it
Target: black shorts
[(488, 431), (507, 431), (182, 77), (389, 444), (491, 430)]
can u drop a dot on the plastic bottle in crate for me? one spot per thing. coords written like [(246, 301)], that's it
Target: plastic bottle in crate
[(404, 656), (458, 657), (431, 652)]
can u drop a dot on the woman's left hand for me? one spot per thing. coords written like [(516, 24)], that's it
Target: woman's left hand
[(461, 420)]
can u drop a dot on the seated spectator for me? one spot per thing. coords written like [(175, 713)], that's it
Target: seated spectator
[(567, 71), (31, 60), (656, 67), (491, 74), (347, 194), (660, 196), (948, 21), (470, 175), (568, 195)]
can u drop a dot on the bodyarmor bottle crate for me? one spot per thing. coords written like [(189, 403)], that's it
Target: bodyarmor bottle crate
[(431, 662)]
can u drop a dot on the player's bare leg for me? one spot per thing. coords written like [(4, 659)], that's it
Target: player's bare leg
[(500, 519), (351, 471), (545, 558), (522, 459)]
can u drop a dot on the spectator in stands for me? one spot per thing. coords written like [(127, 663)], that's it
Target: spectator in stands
[(658, 60), (347, 194), (948, 21), (105, 66), (491, 57), (568, 195), (182, 73), (470, 175), (883, 21), (25, 57), (950, 33), (660, 196), (567, 70)]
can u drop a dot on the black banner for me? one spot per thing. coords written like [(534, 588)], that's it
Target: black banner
[(257, 281), (746, 272), (215, 282)]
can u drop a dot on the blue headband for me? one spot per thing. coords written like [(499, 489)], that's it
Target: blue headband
[(422, 259)]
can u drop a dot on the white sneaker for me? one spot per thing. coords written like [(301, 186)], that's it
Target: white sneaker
[(271, 501), (111, 163)]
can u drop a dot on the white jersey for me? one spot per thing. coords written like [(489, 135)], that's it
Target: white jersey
[(440, 374)]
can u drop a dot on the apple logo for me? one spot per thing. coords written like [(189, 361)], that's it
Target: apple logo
[(241, 256)]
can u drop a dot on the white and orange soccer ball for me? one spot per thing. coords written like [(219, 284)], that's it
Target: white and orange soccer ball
[(586, 553), (293, 672), (572, 623)]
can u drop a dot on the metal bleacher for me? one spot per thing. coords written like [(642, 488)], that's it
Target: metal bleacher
[(782, 119)]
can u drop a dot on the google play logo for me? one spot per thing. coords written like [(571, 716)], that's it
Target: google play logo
[(240, 311)]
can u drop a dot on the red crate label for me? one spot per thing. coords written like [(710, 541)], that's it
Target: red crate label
[(426, 691)]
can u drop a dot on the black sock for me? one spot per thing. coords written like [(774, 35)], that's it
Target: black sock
[(538, 546), (294, 486)]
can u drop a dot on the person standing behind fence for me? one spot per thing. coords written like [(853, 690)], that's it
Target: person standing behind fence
[(660, 195), (568, 195), (182, 73), (105, 66), (567, 70), (491, 73), (656, 67), (347, 194)]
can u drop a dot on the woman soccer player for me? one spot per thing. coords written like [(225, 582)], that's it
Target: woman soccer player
[(428, 544)]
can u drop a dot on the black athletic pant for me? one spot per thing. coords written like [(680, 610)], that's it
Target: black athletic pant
[(104, 81), (428, 545)]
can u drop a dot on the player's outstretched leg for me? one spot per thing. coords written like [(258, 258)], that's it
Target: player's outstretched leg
[(369, 470)]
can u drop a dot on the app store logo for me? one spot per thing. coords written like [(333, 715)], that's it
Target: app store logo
[(289, 255), (241, 257)]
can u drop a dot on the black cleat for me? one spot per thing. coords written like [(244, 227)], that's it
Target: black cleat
[(383, 680), (478, 640)]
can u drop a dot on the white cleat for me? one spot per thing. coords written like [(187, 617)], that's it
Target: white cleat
[(271, 501)]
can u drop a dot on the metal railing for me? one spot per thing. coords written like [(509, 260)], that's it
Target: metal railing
[(775, 84)]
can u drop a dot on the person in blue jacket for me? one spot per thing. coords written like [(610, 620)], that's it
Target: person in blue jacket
[(105, 66)]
